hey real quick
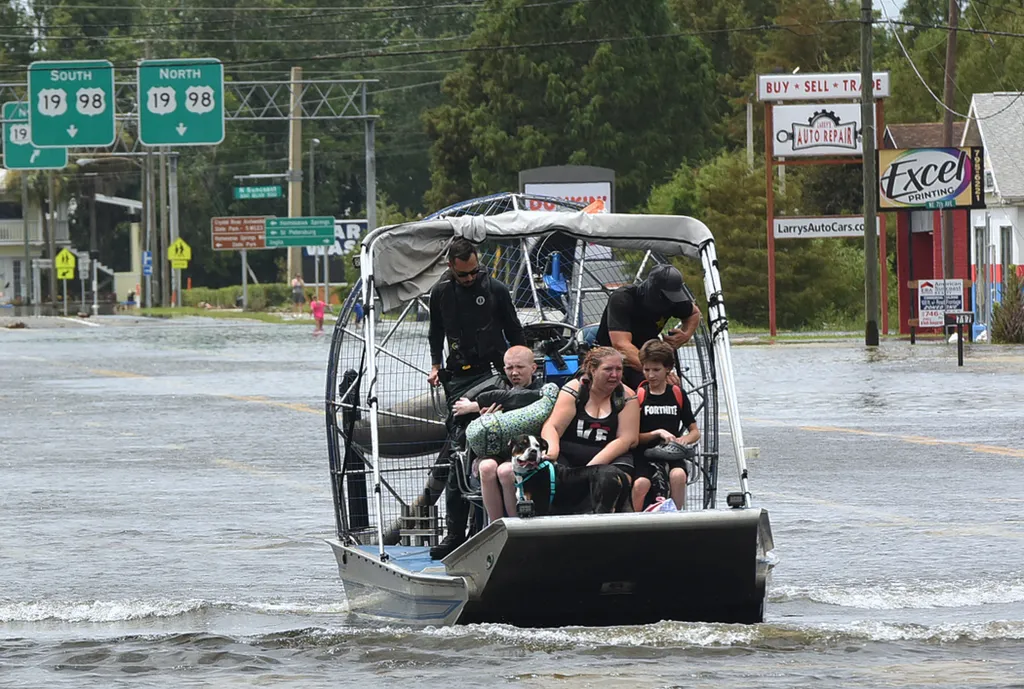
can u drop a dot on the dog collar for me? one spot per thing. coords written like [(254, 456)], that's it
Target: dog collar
[(551, 474)]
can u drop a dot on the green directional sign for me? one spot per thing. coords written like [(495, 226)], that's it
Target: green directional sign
[(71, 103), (270, 191), (307, 231), (181, 102), (19, 153)]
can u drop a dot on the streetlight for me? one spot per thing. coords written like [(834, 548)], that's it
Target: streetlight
[(313, 143)]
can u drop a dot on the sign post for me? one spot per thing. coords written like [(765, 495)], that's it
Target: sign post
[(19, 153), (181, 102), (64, 264), (71, 103), (300, 231), (179, 254), (268, 191), (959, 319)]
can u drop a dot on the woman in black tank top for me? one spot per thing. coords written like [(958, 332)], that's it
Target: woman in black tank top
[(596, 420)]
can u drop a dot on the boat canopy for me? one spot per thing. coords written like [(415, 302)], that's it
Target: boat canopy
[(408, 259)]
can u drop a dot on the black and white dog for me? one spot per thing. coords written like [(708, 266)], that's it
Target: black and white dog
[(554, 488)]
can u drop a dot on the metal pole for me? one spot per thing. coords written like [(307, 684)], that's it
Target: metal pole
[(94, 251), (150, 216), (172, 193), (883, 261), (294, 261), (165, 266), (867, 102), (913, 292), (245, 281), (371, 171), (65, 283), (52, 239), (312, 211), (27, 270), (770, 207), (946, 220)]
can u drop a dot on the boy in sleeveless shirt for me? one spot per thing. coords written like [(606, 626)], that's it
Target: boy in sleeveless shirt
[(665, 416)]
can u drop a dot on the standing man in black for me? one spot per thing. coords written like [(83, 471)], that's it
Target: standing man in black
[(637, 313), (474, 312)]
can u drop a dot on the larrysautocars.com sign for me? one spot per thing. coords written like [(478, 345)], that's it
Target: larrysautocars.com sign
[(931, 178)]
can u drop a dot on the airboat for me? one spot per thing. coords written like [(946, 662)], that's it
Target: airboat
[(386, 435)]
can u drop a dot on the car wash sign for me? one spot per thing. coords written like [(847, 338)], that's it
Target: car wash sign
[(817, 130), (931, 178)]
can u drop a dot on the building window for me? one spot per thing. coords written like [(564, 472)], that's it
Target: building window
[(922, 221), (1006, 249)]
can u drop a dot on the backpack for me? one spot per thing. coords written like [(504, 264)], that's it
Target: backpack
[(641, 393)]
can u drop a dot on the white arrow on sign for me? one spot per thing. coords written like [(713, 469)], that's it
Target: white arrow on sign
[(181, 129), (72, 130), (35, 154)]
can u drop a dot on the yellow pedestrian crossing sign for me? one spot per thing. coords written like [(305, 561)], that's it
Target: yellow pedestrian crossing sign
[(65, 264), (179, 253)]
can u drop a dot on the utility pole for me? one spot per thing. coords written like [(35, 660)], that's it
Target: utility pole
[(148, 200), (26, 272), (371, 169), (172, 193), (313, 143), (94, 250), (867, 116), (750, 133), (946, 219), (295, 166), (52, 239), (165, 266)]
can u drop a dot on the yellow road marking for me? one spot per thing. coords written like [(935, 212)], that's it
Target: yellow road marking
[(286, 405), (914, 439), (115, 374)]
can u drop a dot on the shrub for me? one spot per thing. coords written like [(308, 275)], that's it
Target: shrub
[(1008, 316)]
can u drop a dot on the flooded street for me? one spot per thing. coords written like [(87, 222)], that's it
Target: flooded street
[(164, 497)]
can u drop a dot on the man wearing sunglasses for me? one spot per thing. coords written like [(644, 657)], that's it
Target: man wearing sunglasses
[(635, 314), (474, 313)]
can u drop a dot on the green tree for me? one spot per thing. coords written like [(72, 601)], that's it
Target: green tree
[(638, 106), (814, 278)]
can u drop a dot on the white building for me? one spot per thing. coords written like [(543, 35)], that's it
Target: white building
[(13, 273)]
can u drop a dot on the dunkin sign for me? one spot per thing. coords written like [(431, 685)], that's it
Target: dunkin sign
[(581, 192), (931, 178)]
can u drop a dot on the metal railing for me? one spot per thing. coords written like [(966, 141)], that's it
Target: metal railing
[(13, 232)]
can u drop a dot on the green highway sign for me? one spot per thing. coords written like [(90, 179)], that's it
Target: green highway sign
[(307, 231), (19, 153), (71, 103), (181, 102), (270, 191)]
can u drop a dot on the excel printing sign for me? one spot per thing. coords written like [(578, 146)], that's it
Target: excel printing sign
[(19, 153), (71, 103), (931, 178), (181, 102)]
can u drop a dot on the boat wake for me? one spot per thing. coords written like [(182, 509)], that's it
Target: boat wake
[(907, 594)]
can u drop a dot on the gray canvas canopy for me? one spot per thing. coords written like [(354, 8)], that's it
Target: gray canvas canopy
[(408, 259)]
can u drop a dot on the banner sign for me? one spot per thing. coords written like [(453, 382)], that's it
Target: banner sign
[(581, 192), (931, 178), (845, 86), (347, 235), (802, 131), (935, 298), (827, 226)]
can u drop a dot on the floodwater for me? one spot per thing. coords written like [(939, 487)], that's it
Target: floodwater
[(164, 500)]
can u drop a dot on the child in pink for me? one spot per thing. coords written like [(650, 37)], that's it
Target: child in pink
[(317, 307)]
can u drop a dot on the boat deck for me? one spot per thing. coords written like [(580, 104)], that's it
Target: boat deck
[(408, 557)]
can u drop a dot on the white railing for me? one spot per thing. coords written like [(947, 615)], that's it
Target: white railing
[(12, 232)]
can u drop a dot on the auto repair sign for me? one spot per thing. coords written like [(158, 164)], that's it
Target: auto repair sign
[(816, 130), (931, 178)]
